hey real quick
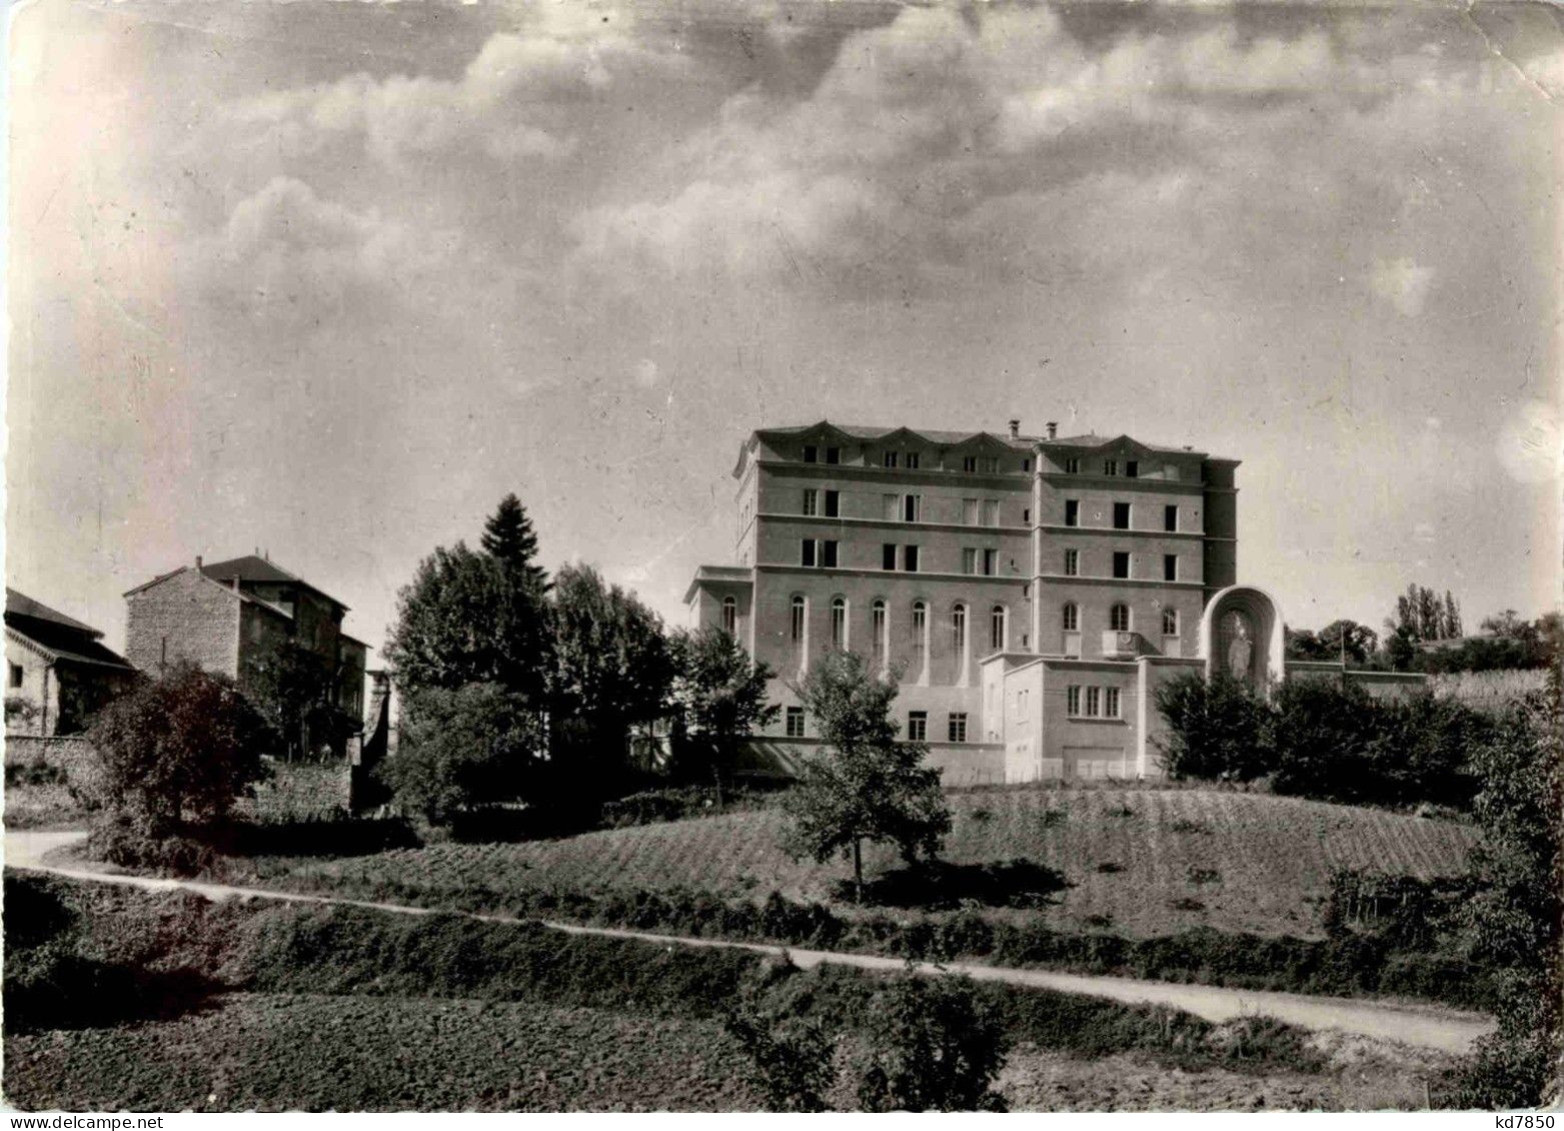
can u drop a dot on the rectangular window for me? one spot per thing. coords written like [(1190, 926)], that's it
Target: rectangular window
[(969, 512), (806, 555), (911, 508), (16, 676), (989, 465), (1169, 567), (1072, 512), (969, 560), (1170, 518), (1072, 701), (1026, 464), (828, 554), (877, 631), (1110, 702), (888, 555), (795, 722), (969, 464), (798, 620), (1132, 469), (957, 729), (1110, 467), (1093, 702), (990, 512), (1026, 515), (833, 504), (833, 455), (1072, 466), (918, 726), (891, 507), (811, 454), (990, 562), (1169, 622), (890, 459), (811, 501), (912, 461), (909, 558), (1121, 516), (1121, 563), (1072, 563)]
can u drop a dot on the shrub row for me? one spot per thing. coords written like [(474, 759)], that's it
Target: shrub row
[(1322, 738), (292, 948)]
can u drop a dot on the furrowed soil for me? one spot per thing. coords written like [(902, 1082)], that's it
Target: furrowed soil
[(317, 1052), (1141, 862)]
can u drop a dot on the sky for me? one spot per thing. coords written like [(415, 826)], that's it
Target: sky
[(330, 279)]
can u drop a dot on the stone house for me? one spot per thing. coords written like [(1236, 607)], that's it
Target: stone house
[(228, 617), (58, 672)]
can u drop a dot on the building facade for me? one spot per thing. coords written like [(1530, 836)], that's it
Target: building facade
[(228, 617), (1031, 591), (58, 671)]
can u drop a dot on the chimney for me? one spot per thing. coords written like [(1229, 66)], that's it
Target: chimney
[(1053, 429), (198, 563), (1015, 429)]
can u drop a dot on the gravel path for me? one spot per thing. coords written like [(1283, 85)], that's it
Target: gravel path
[(1432, 1027)]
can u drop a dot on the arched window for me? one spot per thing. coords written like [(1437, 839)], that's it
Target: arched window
[(1169, 622), (839, 623), (880, 642), (1071, 617), (958, 629), (996, 628), (799, 610), (920, 633), (730, 615), (1119, 618)]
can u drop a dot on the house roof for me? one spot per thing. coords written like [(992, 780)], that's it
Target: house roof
[(1092, 440), (55, 635), (19, 604), (251, 568)]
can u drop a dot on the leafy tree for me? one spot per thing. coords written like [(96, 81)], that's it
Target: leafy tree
[(1517, 914), (864, 785), (612, 667), (720, 693), (931, 1044), (1452, 617), (465, 619), (464, 747), (1216, 728), (509, 539), (176, 750), (294, 688), (791, 1049), (1327, 644)]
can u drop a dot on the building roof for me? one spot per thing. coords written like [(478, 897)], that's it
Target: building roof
[(19, 604), (739, 575), (56, 635), (943, 438), (251, 568)]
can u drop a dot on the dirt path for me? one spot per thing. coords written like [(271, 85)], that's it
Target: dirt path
[(1432, 1027)]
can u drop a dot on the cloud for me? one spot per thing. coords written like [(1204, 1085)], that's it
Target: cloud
[(509, 102), (287, 256), (879, 179), (1404, 283), (1529, 445)]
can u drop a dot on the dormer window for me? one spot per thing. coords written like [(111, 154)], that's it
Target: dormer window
[(833, 455), (989, 465), (1072, 466), (811, 454), (1131, 469), (969, 464), (1110, 467), (891, 459), (912, 461)]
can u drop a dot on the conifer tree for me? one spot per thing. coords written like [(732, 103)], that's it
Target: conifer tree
[(508, 537)]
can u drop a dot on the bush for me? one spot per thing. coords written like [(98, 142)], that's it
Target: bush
[(1216, 728), (475, 745), (792, 1052), (177, 750), (931, 1044)]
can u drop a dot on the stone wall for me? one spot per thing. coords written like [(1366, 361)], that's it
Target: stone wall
[(303, 791), (184, 617)]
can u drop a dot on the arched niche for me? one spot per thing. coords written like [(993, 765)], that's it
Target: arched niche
[(1241, 634)]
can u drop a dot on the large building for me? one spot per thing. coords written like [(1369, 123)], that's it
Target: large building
[(229, 617), (1031, 591)]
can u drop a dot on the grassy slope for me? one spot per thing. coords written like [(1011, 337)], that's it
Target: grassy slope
[(1273, 856)]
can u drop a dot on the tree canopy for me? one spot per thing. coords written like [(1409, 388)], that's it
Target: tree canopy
[(863, 785), (720, 693)]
